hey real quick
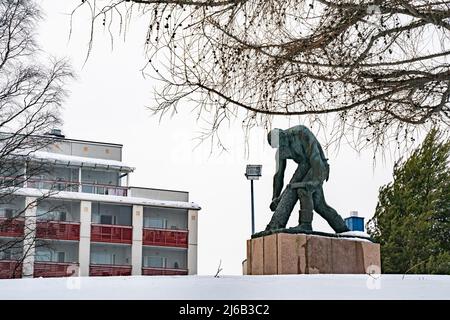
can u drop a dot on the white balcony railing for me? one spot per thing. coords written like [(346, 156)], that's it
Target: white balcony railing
[(75, 186)]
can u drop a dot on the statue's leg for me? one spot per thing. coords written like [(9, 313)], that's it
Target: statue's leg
[(283, 211), (306, 209), (288, 199), (328, 213)]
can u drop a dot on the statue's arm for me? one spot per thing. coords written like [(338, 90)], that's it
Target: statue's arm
[(318, 171), (278, 177)]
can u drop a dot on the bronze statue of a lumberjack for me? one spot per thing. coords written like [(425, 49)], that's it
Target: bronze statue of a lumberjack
[(299, 144)]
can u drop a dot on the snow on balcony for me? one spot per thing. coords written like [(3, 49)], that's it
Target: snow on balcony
[(31, 192), (64, 159)]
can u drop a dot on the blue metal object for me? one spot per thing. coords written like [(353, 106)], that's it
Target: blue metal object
[(355, 223)]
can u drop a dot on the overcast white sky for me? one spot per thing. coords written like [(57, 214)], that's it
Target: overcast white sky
[(107, 103)]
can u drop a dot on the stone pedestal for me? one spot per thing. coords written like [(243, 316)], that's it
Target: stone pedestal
[(284, 253)]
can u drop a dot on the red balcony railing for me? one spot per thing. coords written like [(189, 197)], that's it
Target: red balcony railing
[(163, 272), (60, 230), (10, 269), (165, 237), (109, 270), (111, 233), (11, 227), (54, 269)]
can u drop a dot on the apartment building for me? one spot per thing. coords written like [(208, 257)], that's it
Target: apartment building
[(79, 216)]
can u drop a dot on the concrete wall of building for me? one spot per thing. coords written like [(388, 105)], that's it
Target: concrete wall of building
[(52, 209), (84, 246), (192, 241), (176, 218), (29, 238), (110, 254), (136, 246), (122, 213), (170, 257), (87, 149), (158, 194)]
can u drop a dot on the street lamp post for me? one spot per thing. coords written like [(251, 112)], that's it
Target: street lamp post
[(253, 172)]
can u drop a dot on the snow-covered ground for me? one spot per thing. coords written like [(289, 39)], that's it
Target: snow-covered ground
[(281, 287)]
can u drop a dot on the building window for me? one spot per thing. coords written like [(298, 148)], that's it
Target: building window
[(57, 216), (52, 214), (7, 213), (5, 254), (61, 256), (107, 219), (44, 255), (62, 216), (10, 253), (155, 262), (158, 223), (103, 258)]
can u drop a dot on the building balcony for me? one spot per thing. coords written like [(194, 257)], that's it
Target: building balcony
[(165, 237), (11, 227), (10, 269), (54, 269), (59, 230), (14, 181), (75, 186), (104, 189), (109, 270), (111, 233), (163, 272), (60, 185)]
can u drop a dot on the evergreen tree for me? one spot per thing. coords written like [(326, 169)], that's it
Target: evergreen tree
[(412, 217)]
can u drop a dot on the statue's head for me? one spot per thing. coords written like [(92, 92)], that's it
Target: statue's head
[(274, 136)]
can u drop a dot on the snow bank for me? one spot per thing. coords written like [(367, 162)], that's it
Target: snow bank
[(283, 287)]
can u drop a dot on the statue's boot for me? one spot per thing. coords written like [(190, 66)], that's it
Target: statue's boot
[(305, 221), (338, 224)]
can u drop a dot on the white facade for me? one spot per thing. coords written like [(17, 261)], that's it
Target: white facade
[(81, 215)]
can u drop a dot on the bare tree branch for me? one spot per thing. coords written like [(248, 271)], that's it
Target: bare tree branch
[(31, 93), (381, 67)]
